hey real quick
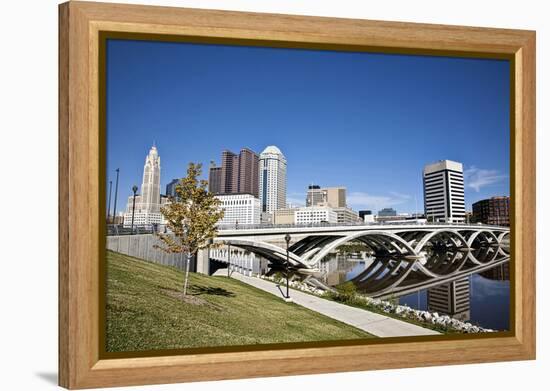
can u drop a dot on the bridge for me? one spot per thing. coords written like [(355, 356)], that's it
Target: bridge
[(402, 258)]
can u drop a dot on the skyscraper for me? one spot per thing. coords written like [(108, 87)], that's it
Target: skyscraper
[(248, 172), (335, 197), (237, 174), (214, 179), (147, 205), (171, 188), (229, 173), (272, 179), (315, 195), (150, 186), (444, 192)]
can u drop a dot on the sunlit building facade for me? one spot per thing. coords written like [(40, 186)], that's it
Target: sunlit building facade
[(272, 179), (146, 211), (444, 192), (239, 209)]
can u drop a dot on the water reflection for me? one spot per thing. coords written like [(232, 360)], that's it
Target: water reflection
[(482, 298), (451, 299)]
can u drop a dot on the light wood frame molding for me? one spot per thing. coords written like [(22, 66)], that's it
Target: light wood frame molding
[(80, 170)]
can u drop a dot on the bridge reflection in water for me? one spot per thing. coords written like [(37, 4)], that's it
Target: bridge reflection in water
[(481, 298), (398, 260), (394, 274)]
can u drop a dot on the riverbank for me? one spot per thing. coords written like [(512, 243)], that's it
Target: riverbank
[(146, 311), (374, 323), (430, 320)]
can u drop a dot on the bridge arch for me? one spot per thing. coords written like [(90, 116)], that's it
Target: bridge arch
[(356, 235), (445, 232), (487, 234), (267, 250), (503, 250), (482, 256)]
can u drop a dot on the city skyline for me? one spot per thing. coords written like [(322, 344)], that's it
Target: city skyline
[(338, 135)]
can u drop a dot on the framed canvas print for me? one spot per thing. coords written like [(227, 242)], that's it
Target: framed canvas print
[(247, 195)]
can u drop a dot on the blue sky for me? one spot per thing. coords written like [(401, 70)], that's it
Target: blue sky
[(369, 122)]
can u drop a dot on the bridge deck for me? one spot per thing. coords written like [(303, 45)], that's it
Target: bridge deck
[(327, 229)]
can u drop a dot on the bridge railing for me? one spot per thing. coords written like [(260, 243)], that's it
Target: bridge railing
[(119, 229), (227, 227)]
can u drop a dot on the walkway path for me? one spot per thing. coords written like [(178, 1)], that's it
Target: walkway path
[(372, 323)]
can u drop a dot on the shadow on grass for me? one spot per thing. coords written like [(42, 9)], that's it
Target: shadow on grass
[(198, 290)]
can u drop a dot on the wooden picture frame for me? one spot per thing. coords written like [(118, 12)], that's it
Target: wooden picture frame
[(81, 168)]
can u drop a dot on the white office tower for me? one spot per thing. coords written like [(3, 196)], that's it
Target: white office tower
[(239, 209), (315, 215), (147, 205), (272, 180), (444, 192)]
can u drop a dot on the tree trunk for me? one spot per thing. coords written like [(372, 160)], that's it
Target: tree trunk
[(186, 274)]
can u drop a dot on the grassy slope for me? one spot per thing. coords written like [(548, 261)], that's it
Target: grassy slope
[(142, 313)]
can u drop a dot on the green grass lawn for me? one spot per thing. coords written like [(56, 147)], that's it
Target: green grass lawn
[(145, 311)]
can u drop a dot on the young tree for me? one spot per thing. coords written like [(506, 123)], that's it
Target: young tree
[(191, 216)]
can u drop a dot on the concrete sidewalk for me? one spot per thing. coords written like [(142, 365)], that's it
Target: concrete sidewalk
[(372, 323)]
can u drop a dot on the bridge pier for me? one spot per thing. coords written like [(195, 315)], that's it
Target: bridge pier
[(242, 261), (203, 261)]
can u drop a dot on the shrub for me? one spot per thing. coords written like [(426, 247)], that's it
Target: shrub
[(278, 277), (346, 292)]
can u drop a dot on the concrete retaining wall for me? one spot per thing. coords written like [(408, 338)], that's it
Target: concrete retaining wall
[(141, 246)]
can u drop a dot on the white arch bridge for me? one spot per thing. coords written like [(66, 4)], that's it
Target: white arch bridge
[(402, 258)]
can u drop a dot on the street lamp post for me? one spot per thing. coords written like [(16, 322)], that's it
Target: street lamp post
[(206, 267), (109, 201), (134, 189), (228, 260), (287, 240), (116, 194)]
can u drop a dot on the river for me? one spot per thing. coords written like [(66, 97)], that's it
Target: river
[(482, 299)]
